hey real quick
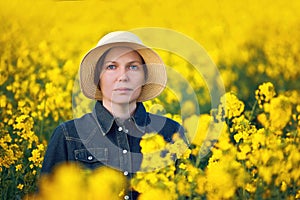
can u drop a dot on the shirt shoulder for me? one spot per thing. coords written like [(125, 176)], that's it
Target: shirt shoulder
[(77, 128), (164, 126), (158, 119)]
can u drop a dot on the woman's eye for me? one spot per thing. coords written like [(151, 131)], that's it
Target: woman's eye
[(133, 67), (111, 67)]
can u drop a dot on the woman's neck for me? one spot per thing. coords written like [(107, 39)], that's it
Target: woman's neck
[(120, 111)]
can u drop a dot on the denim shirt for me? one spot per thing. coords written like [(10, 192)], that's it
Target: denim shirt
[(96, 139)]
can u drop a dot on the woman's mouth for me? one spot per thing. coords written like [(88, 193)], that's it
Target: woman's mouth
[(123, 89)]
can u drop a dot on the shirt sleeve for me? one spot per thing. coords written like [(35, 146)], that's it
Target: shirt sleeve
[(56, 151)]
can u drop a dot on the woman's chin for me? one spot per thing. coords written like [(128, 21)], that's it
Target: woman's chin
[(123, 100)]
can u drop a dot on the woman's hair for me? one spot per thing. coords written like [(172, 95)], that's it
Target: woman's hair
[(100, 63)]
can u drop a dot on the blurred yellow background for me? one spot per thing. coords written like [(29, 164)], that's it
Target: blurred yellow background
[(42, 44)]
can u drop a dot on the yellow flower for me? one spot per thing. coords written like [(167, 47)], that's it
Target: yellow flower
[(152, 142), (18, 167), (230, 106), (298, 194), (265, 173), (263, 120), (67, 182), (250, 187), (37, 156), (197, 128), (265, 93), (140, 182), (2, 101), (20, 186), (258, 138), (280, 112), (106, 183), (283, 186), (156, 193), (219, 188), (244, 150), (224, 143), (201, 184), (183, 187), (182, 166)]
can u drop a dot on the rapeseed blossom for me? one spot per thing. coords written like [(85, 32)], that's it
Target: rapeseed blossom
[(152, 142), (230, 106), (71, 181), (265, 93), (37, 155)]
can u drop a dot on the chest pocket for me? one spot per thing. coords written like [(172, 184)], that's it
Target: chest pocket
[(92, 155)]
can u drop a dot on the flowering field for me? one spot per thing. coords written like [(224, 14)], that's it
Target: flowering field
[(245, 148)]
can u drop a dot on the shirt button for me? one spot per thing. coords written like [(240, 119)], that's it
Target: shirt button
[(126, 173), (126, 131), (126, 197), (120, 128), (90, 158), (125, 151)]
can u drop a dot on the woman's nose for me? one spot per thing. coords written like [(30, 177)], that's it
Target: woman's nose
[(123, 75)]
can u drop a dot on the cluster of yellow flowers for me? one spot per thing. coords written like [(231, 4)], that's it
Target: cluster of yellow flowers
[(70, 181), (247, 161), (264, 93), (277, 110), (157, 173), (230, 107), (21, 150)]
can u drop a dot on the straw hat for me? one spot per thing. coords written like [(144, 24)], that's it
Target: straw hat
[(156, 77)]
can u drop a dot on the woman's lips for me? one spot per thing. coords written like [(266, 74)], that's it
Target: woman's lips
[(123, 89)]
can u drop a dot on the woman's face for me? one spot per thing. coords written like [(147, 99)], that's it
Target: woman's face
[(122, 76)]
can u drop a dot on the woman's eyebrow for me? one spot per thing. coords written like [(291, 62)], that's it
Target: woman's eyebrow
[(110, 61), (130, 62), (135, 61)]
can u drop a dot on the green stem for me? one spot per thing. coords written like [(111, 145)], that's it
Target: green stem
[(42, 122), (252, 111)]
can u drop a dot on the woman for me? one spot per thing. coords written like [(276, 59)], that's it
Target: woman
[(119, 73)]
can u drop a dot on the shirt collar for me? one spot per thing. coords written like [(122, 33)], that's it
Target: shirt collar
[(106, 119), (140, 117)]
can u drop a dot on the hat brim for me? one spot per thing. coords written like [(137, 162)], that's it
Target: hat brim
[(156, 77)]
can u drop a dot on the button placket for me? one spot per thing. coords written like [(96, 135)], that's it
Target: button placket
[(123, 144), (125, 160)]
